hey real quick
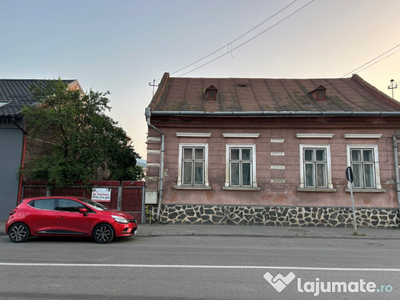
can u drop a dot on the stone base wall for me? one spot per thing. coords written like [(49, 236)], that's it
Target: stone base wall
[(277, 216)]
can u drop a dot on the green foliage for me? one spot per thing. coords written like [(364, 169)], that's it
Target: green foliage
[(86, 143)]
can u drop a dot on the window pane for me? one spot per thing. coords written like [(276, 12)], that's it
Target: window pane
[(234, 174), (320, 154), (69, 205), (198, 173), (187, 173), (321, 175), (187, 153), (47, 204), (355, 155), (369, 175), (368, 155), (198, 153), (234, 154), (310, 175), (246, 154), (357, 176), (246, 174), (308, 155)]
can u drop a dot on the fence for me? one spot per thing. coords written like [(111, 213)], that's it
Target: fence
[(127, 195)]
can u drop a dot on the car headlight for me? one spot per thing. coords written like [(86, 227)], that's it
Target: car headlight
[(120, 219)]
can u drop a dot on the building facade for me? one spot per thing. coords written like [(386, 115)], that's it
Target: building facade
[(272, 152)]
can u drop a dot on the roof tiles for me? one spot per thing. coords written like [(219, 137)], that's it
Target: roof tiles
[(15, 93)]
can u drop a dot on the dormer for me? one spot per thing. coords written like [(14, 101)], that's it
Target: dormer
[(319, 93), (211, 93)]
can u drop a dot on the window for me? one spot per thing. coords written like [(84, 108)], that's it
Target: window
[(241, 166), (193, 165), (47, 204), (69, 205), (315, 167), (211, 93), (364, 161)]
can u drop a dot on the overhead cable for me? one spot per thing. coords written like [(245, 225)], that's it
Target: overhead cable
[(242, 44), (223, 47)]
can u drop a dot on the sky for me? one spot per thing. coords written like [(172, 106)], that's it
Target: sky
[(123, 45)]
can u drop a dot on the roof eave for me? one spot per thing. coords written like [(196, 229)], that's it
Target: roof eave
[(275, 113)]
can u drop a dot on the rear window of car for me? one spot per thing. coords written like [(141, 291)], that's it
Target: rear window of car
[(47, 204)]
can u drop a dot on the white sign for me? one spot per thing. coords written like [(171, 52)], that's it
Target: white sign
[(101, 194)]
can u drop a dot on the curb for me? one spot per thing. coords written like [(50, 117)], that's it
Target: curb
[(266, 236)]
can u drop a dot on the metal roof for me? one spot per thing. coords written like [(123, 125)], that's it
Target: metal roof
[(270, 95)]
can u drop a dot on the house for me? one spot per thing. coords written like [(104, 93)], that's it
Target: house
[(15, 145), (272, 152)]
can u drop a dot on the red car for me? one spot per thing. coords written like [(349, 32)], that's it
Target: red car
[(67, 216)]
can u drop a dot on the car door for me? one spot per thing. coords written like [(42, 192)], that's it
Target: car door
[(42, 216), (71, 221)]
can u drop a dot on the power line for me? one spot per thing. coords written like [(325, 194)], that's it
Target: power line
[(367, 63), (247, 32), (269, 28)]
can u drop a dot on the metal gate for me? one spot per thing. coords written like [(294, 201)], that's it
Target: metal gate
[(126, 195)]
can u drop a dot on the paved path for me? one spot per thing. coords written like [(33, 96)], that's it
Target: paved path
[(261, 231)]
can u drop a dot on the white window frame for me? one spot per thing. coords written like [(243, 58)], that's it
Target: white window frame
[(192, 145), (327, 148), (253, 166), (376, 164)]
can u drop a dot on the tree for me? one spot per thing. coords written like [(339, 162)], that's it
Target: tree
[(85, 142)]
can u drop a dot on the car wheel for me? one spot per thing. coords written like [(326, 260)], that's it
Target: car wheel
[(19, 232), (103, 233)]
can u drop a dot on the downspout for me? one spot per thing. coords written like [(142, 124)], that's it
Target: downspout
[(396, 166), (21, 176), (161, 173)]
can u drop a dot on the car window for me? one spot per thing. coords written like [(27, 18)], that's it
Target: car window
[(94, 204), (69, 205), (47, 204)]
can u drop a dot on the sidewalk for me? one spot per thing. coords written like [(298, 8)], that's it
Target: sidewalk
[(154, 230), (146, 230)]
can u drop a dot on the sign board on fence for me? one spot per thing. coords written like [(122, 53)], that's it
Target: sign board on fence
[(101, 194)]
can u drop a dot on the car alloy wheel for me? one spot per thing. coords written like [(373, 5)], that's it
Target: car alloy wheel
[(19, 233), (103, 233)]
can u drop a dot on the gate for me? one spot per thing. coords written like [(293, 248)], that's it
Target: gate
[(127, 196)]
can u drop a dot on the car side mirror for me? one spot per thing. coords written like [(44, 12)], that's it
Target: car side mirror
[(84, 211)]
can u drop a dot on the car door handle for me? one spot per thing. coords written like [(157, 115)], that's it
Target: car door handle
[(60, 217)]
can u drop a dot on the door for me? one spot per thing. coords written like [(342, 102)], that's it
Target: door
[(71, 221)]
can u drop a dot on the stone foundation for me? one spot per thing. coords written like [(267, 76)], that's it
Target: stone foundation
[(277, 216)]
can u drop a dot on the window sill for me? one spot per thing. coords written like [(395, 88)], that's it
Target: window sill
[(367, 190), (318, 190), (238, 188), (192, 188)]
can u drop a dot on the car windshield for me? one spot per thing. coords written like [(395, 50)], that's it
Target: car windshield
[(94, 204)]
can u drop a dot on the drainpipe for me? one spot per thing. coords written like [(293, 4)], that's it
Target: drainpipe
[(21, 177), (161, 176), (396, 166)]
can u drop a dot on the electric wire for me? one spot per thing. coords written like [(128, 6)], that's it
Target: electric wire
[(230, 43), (368, 64), (254, 37)]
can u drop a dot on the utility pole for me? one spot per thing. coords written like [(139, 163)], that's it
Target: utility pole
[(392, 87), (153, 84)]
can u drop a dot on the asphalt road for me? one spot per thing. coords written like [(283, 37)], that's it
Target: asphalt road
[(200, 267)]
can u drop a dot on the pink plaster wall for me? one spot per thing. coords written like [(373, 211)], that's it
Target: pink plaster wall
[(275, 193)]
